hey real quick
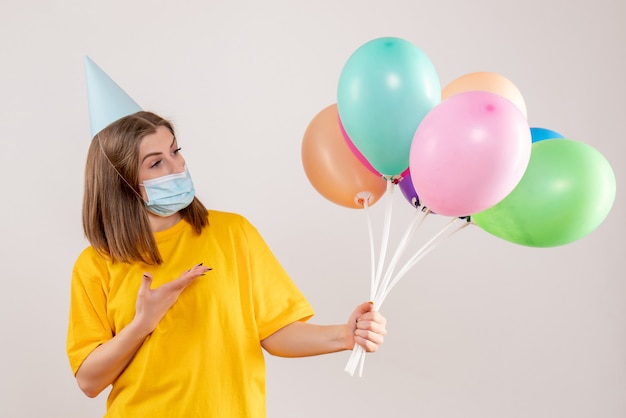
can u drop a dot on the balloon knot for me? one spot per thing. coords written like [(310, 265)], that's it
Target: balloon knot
[(395, 179)]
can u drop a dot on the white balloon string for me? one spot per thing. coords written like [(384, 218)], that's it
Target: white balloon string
[(385, 236), (372, 252), (425, 249), (356, 355), (417, 221), (355, 358), (362, 363), (382, 285), (350, 360), (360, 360)]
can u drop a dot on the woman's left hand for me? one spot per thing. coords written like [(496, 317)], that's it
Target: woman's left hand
[(367, 327)]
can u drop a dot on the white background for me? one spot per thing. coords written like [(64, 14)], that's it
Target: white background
[(479, 328)]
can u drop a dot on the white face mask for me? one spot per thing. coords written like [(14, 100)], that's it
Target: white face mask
[(169, 194)]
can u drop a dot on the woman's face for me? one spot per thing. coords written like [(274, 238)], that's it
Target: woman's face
[(159, 155)]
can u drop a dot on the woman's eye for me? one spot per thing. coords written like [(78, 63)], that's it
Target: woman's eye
[(156, 164), (177, 150)]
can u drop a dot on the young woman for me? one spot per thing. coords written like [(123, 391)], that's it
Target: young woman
[(172, 304)]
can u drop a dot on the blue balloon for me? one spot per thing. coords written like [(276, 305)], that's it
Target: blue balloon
[(385, 89), (540, 134)]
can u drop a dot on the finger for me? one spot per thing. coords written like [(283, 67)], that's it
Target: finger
[(360, 310), (146, 282), (371, 327), (373, 317), (370, 344), (373, 339), (198, 269), (365, 307), (370, 335), (188, 276)]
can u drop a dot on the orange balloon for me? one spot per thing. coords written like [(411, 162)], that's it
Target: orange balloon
[(489, 82), (333, 169)]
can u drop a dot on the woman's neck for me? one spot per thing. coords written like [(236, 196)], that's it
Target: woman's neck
[(161, 223)]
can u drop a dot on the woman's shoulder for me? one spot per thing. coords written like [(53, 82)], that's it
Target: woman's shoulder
[(226, 218), (90, 264), (88, 254), (230, 221)]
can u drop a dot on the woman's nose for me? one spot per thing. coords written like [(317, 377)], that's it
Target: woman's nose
[(176, 166)]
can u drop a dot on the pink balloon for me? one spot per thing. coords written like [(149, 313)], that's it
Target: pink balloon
[(356, 151), (469, 153), (360, 156)]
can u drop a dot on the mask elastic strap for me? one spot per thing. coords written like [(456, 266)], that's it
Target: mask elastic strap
[(116, 170)]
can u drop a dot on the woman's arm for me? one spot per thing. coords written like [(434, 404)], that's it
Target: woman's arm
[(365, 327), (107, 361)]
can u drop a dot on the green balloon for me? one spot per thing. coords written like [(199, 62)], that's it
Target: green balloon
[(566, 192)]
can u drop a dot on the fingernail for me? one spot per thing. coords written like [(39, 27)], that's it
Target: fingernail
[(200, 264)]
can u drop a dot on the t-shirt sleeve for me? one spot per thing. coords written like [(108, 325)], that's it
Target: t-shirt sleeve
[(277, 300), (88, 325)]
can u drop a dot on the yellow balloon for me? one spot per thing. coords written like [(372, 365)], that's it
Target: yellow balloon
[(489, 82)]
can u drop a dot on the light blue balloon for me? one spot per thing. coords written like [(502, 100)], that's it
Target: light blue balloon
[(540, 134), (385, 89), (107, 101)]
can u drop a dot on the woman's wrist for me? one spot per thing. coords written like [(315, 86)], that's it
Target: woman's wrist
[(139, 328)]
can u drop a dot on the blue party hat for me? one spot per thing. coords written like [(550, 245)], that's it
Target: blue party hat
[(107, 101)]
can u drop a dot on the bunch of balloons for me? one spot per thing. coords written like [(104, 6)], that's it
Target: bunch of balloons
[(466, 150)]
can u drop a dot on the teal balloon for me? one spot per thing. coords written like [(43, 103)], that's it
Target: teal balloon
[(566, 192), (541, 134), (385, 89)]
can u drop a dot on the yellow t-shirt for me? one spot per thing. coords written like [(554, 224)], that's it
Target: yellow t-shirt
[(204, 359)]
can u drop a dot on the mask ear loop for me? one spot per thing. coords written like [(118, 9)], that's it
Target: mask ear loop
[(117, 171)]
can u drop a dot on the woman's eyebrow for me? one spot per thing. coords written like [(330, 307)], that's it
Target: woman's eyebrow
[(150, 154)]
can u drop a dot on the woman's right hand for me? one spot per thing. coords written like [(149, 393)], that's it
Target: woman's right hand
[(105, 363), (153, 304)]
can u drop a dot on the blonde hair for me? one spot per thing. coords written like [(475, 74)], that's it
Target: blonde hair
[(114, 216)]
